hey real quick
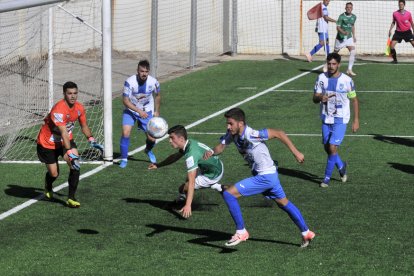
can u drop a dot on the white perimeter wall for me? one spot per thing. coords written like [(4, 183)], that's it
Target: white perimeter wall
[(264, 26), (260, 26)]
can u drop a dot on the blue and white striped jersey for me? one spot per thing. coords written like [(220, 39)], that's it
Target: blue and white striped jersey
[(141, 95), (321, 24), (251, 144), (341, 89)]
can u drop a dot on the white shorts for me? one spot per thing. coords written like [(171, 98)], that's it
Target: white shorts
[(339, 44), (203, 181)]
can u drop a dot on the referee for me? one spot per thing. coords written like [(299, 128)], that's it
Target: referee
[(404, 21)]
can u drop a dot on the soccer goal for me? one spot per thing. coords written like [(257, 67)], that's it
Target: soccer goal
[(42, 47)]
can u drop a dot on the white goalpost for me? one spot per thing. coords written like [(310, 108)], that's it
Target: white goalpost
[(43, 44)]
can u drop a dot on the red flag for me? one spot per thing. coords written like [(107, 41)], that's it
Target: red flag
[(315, 12)]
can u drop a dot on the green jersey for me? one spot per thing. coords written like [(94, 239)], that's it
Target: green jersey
[(194, 152), (345, 22)]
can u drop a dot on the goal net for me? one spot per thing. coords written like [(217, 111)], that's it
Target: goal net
[(41, 48)]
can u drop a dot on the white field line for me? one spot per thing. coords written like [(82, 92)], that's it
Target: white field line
[(101, 167), (310, 134), (40, 197), (60, 162), (358, 91), (380, 63)]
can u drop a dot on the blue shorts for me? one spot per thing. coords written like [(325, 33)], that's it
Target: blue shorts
[(266, 184), (333, 133), (322, 38), (129, 119)]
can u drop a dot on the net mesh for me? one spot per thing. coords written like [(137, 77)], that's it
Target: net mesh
[(24, 62)]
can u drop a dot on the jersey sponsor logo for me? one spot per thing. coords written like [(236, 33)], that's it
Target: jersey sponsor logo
[(189, 162), (255, 134), (79, 113), (322, 86), (70, 126), (58, 117)]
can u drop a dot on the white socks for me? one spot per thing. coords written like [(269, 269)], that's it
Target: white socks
[(352, 54), (216, 187)]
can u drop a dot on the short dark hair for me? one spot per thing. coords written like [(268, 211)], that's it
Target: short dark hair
[(68, 85), (349, 3), (402, 1), (334, 56), (144, 63), (236, 114), (178, 130)]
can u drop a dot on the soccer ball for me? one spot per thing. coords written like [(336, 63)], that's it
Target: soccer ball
[(157, 127)]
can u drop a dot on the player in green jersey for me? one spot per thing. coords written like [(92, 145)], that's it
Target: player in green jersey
[(345, 37), (201, 173)]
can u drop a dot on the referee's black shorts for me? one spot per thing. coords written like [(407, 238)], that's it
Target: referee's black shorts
[(51, 156), (399, 36)]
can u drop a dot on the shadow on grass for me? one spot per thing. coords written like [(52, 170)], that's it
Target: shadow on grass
[(88, 231), (299, 174), (207, 236), (168, 206), (394, 140), (171, 206), (30, 192), (22, 192), (402, 167)]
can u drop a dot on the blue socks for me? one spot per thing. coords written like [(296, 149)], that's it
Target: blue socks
[(317, 48), (234, 209), (296, 216), (330, 165), (290, 209), (149, 145), (339, 164), (124, 145)]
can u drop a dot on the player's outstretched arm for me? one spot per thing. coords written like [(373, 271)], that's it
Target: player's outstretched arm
[(355, 124), (327, 18), (167, 161), (88, 134), (186, 210), (216, 151), (157, 100), (281, 135)]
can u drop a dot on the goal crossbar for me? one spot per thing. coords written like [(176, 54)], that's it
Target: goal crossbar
[(24, 4)]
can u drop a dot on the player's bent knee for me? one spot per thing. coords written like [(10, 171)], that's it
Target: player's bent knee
[(54, 174), (281, 202)]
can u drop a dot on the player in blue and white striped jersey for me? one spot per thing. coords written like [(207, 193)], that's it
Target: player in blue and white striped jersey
[(142, 99), (334, 91), (251, 144)]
